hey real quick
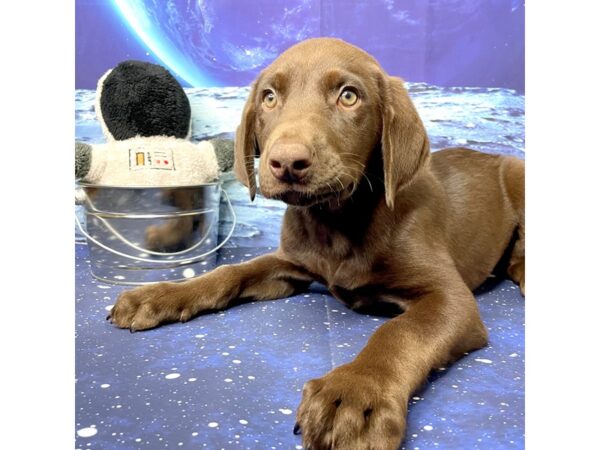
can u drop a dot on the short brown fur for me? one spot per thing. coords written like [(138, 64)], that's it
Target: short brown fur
[(376, 218)]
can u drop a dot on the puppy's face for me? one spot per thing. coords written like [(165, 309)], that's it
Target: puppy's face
[(317, 120), (313, 117)]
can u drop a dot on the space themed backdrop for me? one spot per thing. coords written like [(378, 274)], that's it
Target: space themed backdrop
[(232, 380), (227, 42)]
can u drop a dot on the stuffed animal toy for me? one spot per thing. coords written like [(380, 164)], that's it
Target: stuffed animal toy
[(146, 118)]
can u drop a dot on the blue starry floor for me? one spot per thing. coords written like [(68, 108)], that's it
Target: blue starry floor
[(233, 380)]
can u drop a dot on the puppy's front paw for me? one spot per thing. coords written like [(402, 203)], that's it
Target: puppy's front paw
[(351, 408), (149, 306)]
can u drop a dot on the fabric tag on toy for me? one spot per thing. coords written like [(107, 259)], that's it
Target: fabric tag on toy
[(140, 159)]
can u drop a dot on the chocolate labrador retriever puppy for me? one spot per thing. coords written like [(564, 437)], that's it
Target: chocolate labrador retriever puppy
[(373, 216)]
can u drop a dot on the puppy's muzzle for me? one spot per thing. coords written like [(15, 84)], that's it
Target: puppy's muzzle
[(290, 162)]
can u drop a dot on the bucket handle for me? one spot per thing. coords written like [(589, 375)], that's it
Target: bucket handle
[(170, 261), (81, 198), (145, 250)]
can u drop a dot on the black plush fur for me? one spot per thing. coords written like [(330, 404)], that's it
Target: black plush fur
[(143, 99)]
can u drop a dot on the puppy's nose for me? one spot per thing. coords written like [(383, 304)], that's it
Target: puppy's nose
[(289, 162)]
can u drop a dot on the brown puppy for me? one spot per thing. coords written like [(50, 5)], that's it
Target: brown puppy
[(374, 217)]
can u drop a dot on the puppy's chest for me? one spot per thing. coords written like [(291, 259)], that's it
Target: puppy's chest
[(333, 257)]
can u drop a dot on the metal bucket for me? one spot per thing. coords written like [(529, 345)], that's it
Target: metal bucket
[(141, 235)]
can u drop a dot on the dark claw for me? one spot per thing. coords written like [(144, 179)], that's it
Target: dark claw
[(132, 330), (297, 430), (108, 317)]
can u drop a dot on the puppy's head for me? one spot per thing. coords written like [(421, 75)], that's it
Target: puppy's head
[(316, 115)]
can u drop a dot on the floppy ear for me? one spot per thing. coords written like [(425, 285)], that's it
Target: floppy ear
[(404, 142), (246, 146)]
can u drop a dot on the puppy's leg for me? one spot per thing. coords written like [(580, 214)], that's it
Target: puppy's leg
[(362, 405), (516, 266), (264, 278), (173, 234), (170, 236), (514, 186)]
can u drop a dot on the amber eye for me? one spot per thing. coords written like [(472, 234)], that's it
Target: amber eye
[(348, 97), (269, 99)]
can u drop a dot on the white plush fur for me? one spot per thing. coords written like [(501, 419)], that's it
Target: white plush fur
[(194, 163), (107, 134)]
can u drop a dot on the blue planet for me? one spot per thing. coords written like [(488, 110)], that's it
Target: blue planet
[(217, 42)]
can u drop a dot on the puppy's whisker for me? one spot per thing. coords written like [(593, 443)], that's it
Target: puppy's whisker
[(330, 187), (338, 193), (353, 178), (368, 181), (357, 161), (378, 178)]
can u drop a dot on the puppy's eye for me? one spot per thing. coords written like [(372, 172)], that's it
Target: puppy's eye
[(348, 97), (269, 99)]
